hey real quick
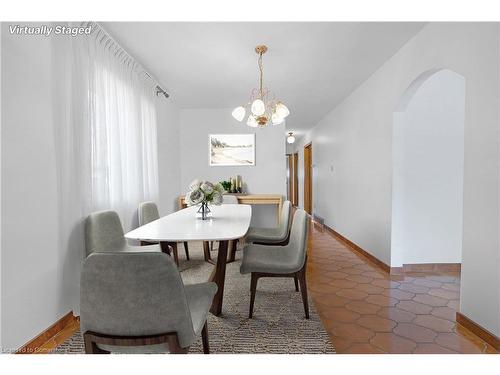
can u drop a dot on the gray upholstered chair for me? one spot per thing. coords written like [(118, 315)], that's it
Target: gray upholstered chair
[(280, 261), (273, 236), (137, 303), (148, 212), (104, 233)]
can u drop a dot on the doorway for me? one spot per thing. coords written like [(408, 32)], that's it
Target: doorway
[(289, 177), (308, 178), (295, 180)]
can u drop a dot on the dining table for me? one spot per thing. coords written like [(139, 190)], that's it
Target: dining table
[(227, 224)]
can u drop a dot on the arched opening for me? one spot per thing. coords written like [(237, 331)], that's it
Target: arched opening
[(428, 165)]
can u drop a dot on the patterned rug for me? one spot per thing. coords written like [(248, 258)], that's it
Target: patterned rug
[(278, 325)]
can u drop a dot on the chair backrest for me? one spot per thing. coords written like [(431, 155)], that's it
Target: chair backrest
[(148, 212), (284, 225), (299, 234), (103, 232), (229, 199), (134, 294)]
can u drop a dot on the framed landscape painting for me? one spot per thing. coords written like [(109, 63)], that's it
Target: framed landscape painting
[(231, 149)]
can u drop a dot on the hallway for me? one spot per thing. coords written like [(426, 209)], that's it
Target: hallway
[(365, 311)]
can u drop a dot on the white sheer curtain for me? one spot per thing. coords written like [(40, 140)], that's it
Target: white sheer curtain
[(105, 129)]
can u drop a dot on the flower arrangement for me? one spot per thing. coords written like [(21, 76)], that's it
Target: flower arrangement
[(203, 193)]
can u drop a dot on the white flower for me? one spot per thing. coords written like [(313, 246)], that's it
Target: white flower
[(218, 187), (217, 198), (194, 197), (195, 185), (207, 187)]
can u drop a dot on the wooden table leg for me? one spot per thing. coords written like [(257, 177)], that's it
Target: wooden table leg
[(232, 250), (218, 277)]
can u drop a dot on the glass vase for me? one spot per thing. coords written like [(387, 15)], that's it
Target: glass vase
[(203, 212)]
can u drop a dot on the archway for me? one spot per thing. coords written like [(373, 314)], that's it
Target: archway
[(428, 165)]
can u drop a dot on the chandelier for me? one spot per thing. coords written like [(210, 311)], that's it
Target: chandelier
[(263, 105)]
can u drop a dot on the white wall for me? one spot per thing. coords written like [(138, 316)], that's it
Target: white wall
[(355, 139), (428, 168), (32, 293), (268, 176)]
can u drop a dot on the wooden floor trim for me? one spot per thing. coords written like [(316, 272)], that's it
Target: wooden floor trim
[(479, 331), (39, 343), (359, 250)]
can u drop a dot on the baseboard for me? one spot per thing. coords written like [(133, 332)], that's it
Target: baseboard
[(432, 267), (359, 250), (35, 344), (426, 267), (479, 331)]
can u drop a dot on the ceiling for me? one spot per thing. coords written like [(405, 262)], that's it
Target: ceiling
[(311, 67)]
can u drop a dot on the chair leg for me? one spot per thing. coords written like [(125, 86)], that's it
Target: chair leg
[(204, 339), (165, 247), (303, 289), (253, 289), (296, 280), (206, 251), (91, 347), (174, 347), (186, 249), (176, 253)]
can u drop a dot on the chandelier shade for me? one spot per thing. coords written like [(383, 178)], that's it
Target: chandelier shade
[(263, 107), (239, 113)]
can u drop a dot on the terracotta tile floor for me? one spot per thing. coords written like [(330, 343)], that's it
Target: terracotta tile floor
[(367, 311)]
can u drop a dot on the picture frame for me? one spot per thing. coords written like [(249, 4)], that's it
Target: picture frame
[(231, 150)]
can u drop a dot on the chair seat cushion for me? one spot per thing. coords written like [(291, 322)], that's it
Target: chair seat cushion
[(269, 259), (269, 235), (200, 297)]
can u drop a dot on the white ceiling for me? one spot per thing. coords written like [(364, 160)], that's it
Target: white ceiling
[(311, 67)]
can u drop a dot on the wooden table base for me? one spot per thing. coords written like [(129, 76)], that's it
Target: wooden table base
[(218, 276)]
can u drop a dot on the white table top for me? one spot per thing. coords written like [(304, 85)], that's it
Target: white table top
[(228, 222)]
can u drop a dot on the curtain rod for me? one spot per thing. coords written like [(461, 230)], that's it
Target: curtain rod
[(159, 89)]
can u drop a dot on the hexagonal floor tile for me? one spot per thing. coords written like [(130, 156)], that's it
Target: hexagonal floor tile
[(430, 300), (434, 323), (362, 307), (343, 283), (396, 314), (376, 323), (398, 294), (393, 344), (445, 313), (443, 293), (369, 288), (414, 307), (352, 294), (352, 332), (414, 332), (381, 300)]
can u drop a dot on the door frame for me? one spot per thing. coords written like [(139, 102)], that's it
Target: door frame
[(308, 178), (295, 180)]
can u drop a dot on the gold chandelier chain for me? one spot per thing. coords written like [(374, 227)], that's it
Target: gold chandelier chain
[(261, 69)]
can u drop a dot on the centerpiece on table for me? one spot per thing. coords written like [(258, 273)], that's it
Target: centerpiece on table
[(202, 193)]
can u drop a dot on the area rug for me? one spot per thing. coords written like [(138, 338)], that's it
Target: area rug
[(278, 325)]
